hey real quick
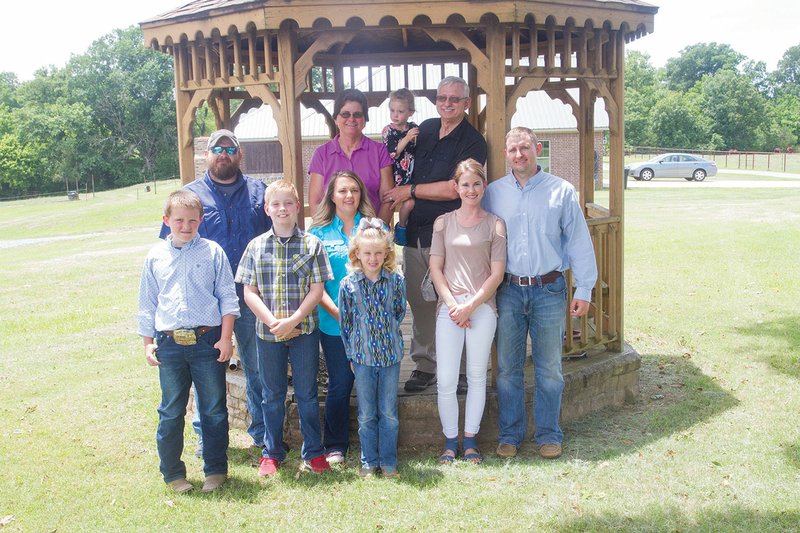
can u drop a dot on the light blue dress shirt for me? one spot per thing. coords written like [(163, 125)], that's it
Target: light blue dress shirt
[(337, 246), (185, 287), (546, 228)]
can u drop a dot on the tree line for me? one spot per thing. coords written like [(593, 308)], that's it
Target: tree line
[(108, 115), (711, 97)]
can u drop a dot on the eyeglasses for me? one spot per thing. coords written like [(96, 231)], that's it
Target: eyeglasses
[(440, 98), (348, 114), (230, 150)]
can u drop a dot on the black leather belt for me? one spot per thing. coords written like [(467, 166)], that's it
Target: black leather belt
[(527, 281)]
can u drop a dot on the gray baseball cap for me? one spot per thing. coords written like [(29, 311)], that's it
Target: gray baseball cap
[(219, 134)]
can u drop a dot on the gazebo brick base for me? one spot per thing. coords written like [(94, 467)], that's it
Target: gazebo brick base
[(601, 380)]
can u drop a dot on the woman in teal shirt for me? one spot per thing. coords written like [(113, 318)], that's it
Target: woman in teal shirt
[(344, 204)]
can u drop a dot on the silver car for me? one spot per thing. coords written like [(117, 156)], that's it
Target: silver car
[(687, 166)]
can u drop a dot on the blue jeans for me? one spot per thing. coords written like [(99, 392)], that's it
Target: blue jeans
[(245, 330), (378, 423), (180, 367), (273, 360), (336, 437), (539, 311)]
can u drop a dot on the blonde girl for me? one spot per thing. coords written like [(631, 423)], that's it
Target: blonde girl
[(372, 305)]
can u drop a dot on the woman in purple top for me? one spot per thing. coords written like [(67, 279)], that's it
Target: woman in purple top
[(351, 150)]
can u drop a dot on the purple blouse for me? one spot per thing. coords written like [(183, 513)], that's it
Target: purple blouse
[(367, 160)]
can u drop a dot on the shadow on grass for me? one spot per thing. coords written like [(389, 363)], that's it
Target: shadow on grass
[(783, 330), (674, 396), (736, 518), (792, 452)]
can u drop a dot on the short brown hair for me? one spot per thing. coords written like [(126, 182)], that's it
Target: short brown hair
[(522, 130), (183, 198), (351, 95)]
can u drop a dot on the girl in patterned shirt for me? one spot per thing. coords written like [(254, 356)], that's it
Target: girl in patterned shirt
[(372, 304)]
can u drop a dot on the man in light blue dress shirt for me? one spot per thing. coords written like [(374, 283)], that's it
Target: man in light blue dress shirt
[(547, 234)]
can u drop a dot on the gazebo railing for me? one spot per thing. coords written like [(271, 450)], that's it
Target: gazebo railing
[(601, 325)]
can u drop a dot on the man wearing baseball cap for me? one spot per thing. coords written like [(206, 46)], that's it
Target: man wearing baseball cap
[(233, 214)]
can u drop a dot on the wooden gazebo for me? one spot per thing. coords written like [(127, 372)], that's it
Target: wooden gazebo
[(291, 52)]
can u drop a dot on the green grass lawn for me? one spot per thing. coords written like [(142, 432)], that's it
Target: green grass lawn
[(712, 444)]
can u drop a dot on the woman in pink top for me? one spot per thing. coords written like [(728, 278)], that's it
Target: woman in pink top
[(351, 150), (468, 259)]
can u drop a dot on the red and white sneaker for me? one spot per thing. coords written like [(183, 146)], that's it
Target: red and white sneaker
[(317, 465), (268, 466)]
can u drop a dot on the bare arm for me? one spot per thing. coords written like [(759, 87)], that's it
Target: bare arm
[(315, 191), (437, 191), (253, 300), (284, 326), (224, 344), (386, 210), (327, 304)]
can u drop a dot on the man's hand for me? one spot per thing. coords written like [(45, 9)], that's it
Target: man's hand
[(150, 354), (578, 308), (397, 195)]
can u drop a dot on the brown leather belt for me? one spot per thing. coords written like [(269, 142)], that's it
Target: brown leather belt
[(202, 330), (527, 281)]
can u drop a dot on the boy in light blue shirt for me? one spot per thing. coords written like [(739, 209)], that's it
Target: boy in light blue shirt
[(187, 307)]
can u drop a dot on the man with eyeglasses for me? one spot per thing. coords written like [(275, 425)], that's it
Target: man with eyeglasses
[(442, 143), (233, 214)]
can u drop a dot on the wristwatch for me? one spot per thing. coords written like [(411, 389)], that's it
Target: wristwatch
[(413, 191)]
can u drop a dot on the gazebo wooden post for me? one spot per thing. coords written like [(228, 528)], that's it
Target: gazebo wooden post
[(616, 196), (289, 130), (495, 88), (586, 143), (185, 138)]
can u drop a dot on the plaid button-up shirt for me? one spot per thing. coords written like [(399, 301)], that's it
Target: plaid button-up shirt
[(283, 269)]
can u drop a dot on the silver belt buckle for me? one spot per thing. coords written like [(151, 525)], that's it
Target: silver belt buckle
[(184, 337), (527, 282)]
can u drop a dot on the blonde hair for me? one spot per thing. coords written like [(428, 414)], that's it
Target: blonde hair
[(280, 186), (183, 198), (327, 209), (372, 234), (469, 165), (403, 95)]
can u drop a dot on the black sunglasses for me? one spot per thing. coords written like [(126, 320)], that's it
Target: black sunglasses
[(230, 150), (348, 114)]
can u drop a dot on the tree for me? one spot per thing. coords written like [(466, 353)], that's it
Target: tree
[(8, 89), (18, 166), (130, 91), (678, 122), (787, 76), (736, 108), (641, 86), (699, 60)]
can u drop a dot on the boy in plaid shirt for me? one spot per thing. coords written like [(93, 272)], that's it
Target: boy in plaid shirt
[(283, 272)]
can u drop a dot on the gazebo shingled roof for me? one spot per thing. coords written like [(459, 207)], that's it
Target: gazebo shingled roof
[(287, 52)]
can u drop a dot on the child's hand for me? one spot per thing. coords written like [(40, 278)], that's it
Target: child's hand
[(282, 328), (225, 347), (150, 354), (411, 135)]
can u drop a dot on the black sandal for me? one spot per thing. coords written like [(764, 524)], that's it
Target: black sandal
[(471, 443)]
